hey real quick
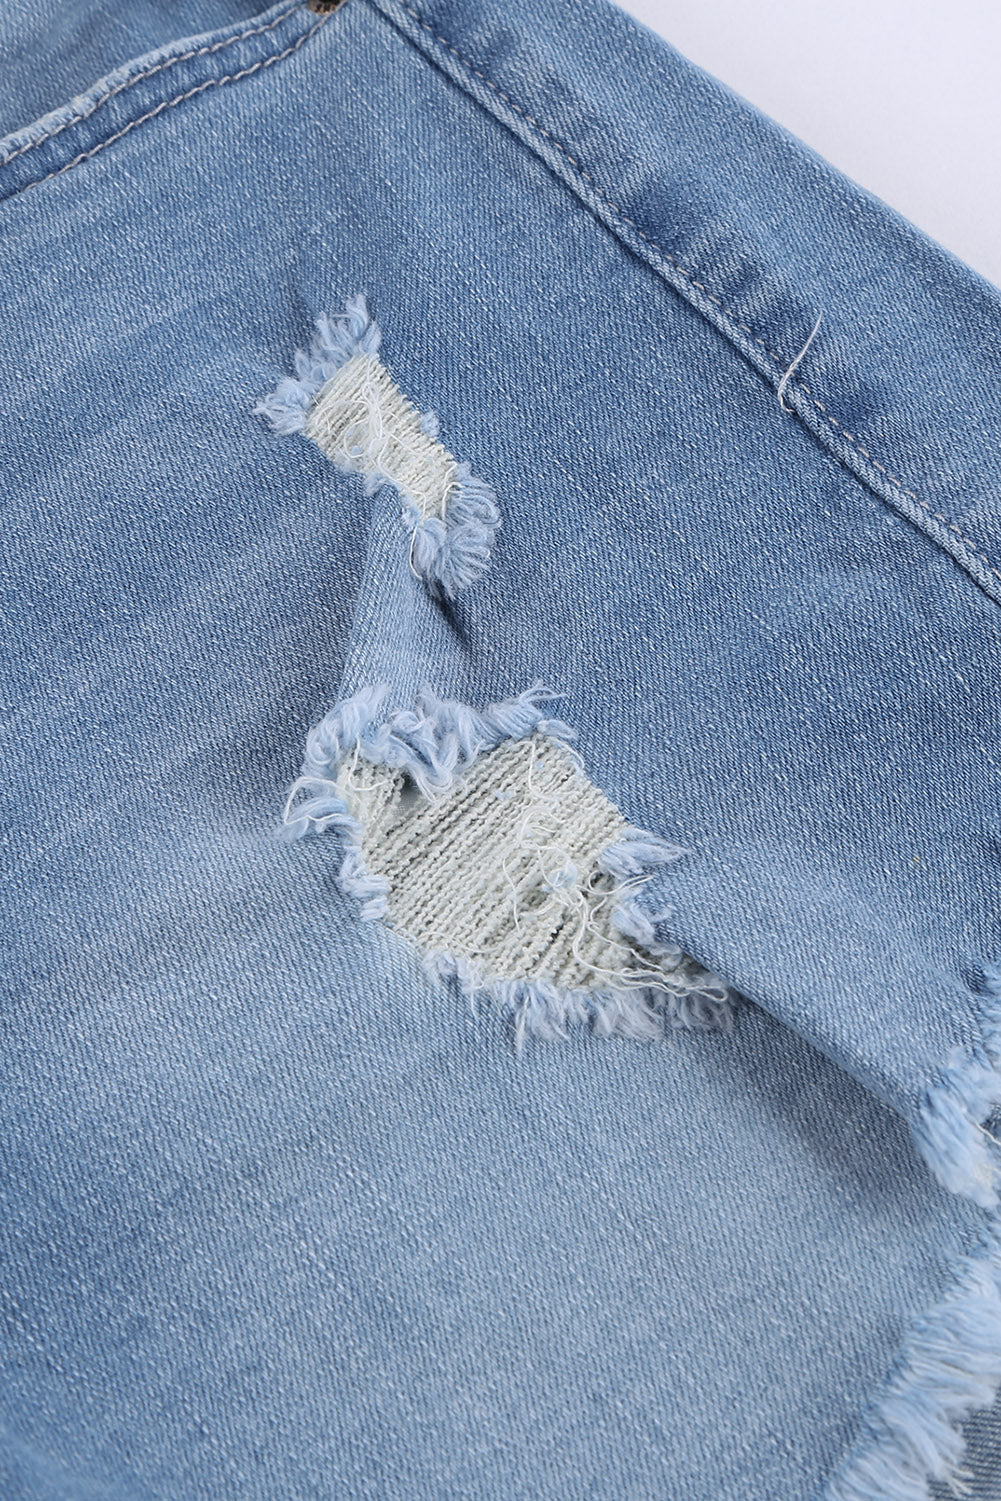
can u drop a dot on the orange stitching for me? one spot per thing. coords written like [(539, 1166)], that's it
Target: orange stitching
[(139, 77), (898, 484)]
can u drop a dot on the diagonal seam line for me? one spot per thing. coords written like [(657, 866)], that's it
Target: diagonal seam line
[(615, 213), (128, 83), (200, 88)]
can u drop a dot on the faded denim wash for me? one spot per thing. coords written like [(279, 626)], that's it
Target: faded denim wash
[(287, 1212)]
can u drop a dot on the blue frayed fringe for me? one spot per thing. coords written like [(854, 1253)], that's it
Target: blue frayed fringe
[(950, 1365), (949, 1368), (334, 343), (451, 552), (433, 744), (950, 1132), (448, 552), (541, 1009)]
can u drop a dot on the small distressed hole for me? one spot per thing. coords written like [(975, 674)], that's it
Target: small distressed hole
[(345, 400)]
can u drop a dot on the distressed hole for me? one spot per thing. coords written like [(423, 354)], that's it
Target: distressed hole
[(365, 424), (479, 837), (344, 398)]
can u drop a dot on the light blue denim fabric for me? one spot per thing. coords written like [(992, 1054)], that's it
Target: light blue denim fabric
[(285, 1216)]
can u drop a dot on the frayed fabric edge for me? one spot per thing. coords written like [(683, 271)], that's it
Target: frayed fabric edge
[(449, 552), (432, 744), (950, 1364), (948, 1369), (335, 341), (540, 1009), (951, 1128)]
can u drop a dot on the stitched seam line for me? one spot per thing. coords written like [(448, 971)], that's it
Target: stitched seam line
[(168, 62), (623, 218), (200, 88)]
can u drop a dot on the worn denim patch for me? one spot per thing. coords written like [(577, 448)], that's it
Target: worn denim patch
[(601, 1100)]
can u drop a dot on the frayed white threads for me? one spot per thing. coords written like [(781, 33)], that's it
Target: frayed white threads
[(479, 837), (787, 377), (365, 424), (345, 400)]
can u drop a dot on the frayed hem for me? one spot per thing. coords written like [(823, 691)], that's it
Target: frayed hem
[(950, 1132), (948, 1369), (431, 746), (950, 1364)]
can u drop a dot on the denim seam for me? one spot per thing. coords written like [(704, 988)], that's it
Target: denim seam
[(782, 364), (128, 83), (200, 88)]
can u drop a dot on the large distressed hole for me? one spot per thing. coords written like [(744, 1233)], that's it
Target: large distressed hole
[(480, 838)]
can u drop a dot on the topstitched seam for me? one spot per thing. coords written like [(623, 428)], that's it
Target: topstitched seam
[(898, 484), (128, 83), (179, 99)]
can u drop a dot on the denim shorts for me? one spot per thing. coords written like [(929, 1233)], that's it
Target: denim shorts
[(502, 566)]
